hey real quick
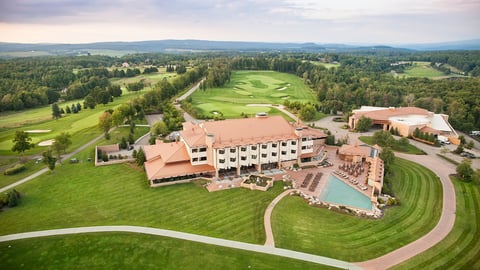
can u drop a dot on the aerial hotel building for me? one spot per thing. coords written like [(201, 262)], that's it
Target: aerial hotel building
[(233, 147)]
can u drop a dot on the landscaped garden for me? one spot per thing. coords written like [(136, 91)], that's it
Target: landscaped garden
[(298, 226), (251, 87), (396, 146), (135, 251), (461, 248), (81, 195)]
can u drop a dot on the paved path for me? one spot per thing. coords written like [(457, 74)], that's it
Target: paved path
[(266, 218), (44, 170), (439, 232), (279, 107), (189, 237), (189, 92), (436, 164)]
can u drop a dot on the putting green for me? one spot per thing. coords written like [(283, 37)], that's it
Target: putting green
[(243, 93)]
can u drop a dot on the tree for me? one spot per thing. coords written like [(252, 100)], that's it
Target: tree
[(105, 122), (49, 159), (465, 171), (89, 102), (403, 142), (159, 129), (22, 142), (388, 158), (364, 124), (56, 111), (470, 145), (459, 149), (12, 198), (62, 142), (79, 107), (140, 159), (307, 112), (383, 138), (68, 109)]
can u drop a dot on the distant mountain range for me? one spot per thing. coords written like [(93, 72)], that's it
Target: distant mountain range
[(175, 46)]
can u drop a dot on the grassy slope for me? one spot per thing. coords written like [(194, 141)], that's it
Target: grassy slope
[(422, 69), (248, 87), (461, 248), (80, 195), (109, 251), (300, 227), (81, 125)]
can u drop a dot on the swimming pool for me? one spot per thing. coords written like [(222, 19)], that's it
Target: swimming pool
[(338, 192)]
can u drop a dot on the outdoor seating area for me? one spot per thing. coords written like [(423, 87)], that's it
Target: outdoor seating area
[(353, 168), (315, 182), (351, 180)]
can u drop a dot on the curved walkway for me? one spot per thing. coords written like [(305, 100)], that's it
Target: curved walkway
[(190, 237), (266, 218), (279, 107), (439, 232)]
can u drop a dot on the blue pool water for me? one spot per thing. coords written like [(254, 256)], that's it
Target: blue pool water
[(338, 192)]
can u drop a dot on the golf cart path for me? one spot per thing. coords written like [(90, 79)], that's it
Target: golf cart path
[(189, 237), (439, 232)]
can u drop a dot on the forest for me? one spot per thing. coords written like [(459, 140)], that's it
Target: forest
[(358, 79)]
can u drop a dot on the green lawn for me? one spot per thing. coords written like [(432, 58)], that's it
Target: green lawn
[(461, 248), (410, 149), (134, 251), (248, 87), (82, 126), (422, 69), (298, 226), (81, 195), (30, 167)]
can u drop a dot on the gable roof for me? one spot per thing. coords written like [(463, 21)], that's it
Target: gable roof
[(168, 152)]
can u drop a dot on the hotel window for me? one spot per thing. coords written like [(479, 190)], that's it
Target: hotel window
[(284, 153), (194, 159), (254, 147), (221, 161), (194, 150), (264, 146), (264, 155), (293, 151), (304, 139), (203, 149), (284, 143), (221, 151), (304, 147), (293, 142), (243, 149), (233, 159), (243, 158), (274, 145), (274, 154), (203, 158), (232, 150), (254, 156)]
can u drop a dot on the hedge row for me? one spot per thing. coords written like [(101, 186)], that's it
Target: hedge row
[(16, 169)]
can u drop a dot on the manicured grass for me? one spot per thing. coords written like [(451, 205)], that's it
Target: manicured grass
[(134, 251), (410, 149), (251, 87), (319, 231), (422, 69), (82, 126), (30, 167), (149, 79), (461, 248), (82, 195)]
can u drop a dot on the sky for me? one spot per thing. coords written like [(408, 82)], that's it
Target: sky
[(320, 21)]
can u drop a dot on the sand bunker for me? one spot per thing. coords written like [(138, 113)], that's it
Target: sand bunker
[(281, 89), (46, 143), (38, 131)]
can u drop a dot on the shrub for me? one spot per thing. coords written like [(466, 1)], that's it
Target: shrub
[(16, 169), (134, 153), (104, 157), (13, 198)]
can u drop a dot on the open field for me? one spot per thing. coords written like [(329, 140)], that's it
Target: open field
[(461, 248), (81, 195), (298, 226), (78, 125), (135, 251), (248, 87), (327, 65), (149, 79), (424, 70), (410, 149)]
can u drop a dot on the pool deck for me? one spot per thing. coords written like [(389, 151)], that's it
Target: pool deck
[(334, 159)]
